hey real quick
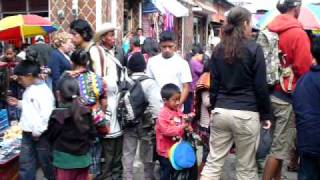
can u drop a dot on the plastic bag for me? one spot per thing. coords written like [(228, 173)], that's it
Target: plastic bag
[(264, 144)]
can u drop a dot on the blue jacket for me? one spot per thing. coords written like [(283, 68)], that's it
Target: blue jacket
[(306, 103), (58, 64)]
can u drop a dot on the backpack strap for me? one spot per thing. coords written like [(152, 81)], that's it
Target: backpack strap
[(101, 60)]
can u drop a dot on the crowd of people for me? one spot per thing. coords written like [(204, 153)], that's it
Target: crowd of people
[(85, 105)]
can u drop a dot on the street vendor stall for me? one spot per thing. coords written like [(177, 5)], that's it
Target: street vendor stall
[(10, 140)]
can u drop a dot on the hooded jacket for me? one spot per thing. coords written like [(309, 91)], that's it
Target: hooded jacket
[(294, 44), (306, 104)]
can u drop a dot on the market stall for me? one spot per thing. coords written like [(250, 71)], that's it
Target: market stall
[(10, 141)]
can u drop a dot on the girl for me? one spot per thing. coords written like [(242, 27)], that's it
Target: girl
[(93, 93), (71, 131), (37, 104), (170, 127), (239, 96), (202, 115)]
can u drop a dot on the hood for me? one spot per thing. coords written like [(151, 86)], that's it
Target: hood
[(283, 22)]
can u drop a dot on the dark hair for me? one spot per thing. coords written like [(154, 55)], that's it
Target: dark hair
[(316, 49), (83, 28), (168, 90), (233, 34), (135, 40), (286, 5), (197, 49), (139, 29), (167, 36), (80, 57), (150, 47), (69, 92), (30, 66), (9, 46)]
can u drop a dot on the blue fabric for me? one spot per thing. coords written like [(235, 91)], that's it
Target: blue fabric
[(184, 155), (34, 153), (309, 168), (148, 7), (58, 63), (306, 104)]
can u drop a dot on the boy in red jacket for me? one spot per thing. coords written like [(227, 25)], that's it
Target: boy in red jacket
[(295, 46), (170, 127)]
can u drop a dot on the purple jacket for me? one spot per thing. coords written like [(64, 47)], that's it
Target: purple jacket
[(196, 71)]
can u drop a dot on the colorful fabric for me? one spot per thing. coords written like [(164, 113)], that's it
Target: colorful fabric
[(76, 174)]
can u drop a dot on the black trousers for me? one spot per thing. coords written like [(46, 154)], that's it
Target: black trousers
[(111, 168)]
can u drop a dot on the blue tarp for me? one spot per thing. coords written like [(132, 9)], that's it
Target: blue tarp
[(148, 7)]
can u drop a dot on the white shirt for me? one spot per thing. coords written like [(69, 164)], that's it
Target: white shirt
[(174, 70), (37, 105)]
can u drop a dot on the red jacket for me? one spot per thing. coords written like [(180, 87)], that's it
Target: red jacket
[(294, 43), (169, 124)]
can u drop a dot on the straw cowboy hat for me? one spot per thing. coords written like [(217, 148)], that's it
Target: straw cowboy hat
[(106, 27)]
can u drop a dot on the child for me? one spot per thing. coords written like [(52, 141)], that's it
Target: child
[(202, 115), (306, 104), (37, 104), (170, 127), (71, 131)]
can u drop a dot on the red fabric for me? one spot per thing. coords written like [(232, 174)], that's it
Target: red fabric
[(294, 43), (74, 174), (169, 124)]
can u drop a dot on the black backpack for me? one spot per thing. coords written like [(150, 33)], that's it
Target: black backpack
[(132, 103)]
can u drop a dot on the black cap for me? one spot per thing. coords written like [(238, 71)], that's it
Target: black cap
[(285, 5), (137, 63)]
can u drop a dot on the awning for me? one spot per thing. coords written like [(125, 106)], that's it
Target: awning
[(207, 8), (171, 6), (148, 7)]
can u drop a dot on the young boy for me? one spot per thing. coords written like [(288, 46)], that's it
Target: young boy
[(170, 127), (37, 104), (306, 104)]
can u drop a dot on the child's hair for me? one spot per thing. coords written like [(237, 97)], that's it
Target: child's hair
[(9, 46), (80, 57), (169, 90), (30, 66), (316, 49), (69, 92), (83, 28)]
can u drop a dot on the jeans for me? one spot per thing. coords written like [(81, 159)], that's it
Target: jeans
[(166, 170), (34, 152), (309, 168)]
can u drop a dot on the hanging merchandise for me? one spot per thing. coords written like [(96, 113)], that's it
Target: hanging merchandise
[(168, 22)]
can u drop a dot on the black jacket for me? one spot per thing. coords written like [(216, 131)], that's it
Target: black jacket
[(68, 135), (242, 84)]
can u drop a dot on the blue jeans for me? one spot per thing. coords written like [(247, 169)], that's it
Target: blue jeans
[(309, 168), (34, 152)]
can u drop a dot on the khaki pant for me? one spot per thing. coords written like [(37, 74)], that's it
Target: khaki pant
[(229, 126), (283, 135)]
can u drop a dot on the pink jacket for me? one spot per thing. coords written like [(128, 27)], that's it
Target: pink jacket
[(169, 124)]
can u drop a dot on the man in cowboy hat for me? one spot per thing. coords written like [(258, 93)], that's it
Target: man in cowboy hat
[(109, 67), (294, 44)]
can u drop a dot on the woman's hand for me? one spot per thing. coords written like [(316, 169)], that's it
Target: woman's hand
[(266, 124)]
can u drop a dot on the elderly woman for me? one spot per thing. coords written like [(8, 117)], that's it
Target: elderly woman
[(59, 59)]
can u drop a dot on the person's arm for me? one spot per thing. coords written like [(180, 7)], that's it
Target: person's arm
[(214, 82), (302, 55), (260, 86), (95, 58), (186, 79), (54, 65), (205, 97), (184, 93), (154, 98)]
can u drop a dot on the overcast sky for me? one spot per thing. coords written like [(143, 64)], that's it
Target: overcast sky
[(265, 4)]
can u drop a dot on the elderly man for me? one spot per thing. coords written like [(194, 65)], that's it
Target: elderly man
[(109, 65)]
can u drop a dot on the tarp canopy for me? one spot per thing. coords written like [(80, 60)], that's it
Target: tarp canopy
[(171, 6)]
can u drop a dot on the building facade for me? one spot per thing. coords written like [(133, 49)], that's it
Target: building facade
[(191, 28)]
